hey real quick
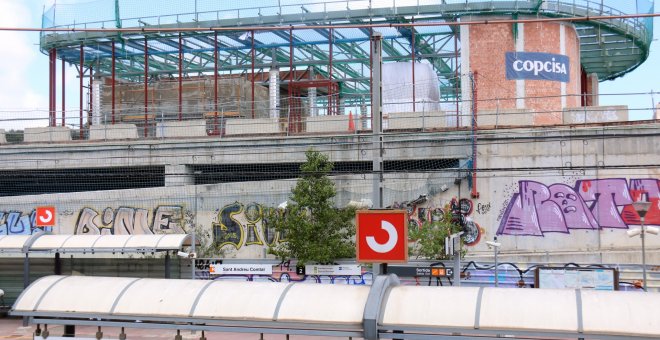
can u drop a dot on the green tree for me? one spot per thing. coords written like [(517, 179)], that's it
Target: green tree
[(312, 229), (428, 241)]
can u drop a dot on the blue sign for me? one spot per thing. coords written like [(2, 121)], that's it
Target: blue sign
[(537, 66)]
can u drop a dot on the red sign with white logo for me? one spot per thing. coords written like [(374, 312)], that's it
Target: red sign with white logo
[(45, 217), (382, 236)]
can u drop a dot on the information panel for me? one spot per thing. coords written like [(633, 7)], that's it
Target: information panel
[(574, 278)]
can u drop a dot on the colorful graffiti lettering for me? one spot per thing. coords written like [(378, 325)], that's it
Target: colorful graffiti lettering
[(130, 221), (17, 223), (241, 225), (591, 204), (461, 211)]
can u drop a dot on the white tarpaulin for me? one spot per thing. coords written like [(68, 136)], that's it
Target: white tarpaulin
[(398, 89)]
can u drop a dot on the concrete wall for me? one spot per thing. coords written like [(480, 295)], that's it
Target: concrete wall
[(416, 120), (113, 132), (554, 195), (252, 126), (596, 114), (178, 129), (505, 117), (322, 124), (47, 134)]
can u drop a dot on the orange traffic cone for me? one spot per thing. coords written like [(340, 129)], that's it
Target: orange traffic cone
[(351, 123)]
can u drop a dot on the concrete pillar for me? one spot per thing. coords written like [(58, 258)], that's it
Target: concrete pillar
[(592, 90), (342, 105), (274, 93), (657, 112), (364, 122), (178, 175), (311, 96)]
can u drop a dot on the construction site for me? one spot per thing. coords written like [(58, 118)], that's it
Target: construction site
[(196, 115)]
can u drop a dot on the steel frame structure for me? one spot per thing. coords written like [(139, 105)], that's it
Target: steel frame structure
[(308, 39)]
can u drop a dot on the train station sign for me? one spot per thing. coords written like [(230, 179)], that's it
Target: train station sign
[(382, 236)]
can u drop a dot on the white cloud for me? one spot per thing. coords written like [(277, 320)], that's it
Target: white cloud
[(18, 54)]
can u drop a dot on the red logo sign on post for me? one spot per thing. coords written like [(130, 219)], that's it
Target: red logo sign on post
[(45, 216), (382, 236)]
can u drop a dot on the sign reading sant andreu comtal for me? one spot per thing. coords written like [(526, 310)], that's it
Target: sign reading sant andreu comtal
[(537, 66)]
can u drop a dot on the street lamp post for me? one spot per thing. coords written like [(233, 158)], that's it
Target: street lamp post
[(641, 208), (496, 249)]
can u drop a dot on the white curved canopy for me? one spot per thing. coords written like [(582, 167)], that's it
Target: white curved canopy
[(92, 243), (341, 310)]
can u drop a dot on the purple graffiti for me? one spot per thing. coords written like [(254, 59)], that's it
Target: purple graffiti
[(592, 204)]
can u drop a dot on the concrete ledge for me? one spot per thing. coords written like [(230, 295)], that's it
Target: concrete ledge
[(320, 124), (596, 114), (259, 126), (3, 137), (113, 132), (47, 134), (505, 117), (186, 128), (416, 120)]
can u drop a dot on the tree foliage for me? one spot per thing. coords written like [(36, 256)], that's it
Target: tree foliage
[(311, 228), (428, 241)]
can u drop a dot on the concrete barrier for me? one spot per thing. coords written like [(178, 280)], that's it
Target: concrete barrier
[(186, 128), (257, 126), (47, 134), (113, 132), (505, 117), (320, 124), (416, 120), (3, 137), (596, 114)]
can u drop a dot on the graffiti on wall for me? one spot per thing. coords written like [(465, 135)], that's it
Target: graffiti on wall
[(167, 219), (239, 225), (460, 209), (591, 204), (19, 223)]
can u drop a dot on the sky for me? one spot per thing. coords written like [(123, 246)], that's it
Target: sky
[(24, 72)]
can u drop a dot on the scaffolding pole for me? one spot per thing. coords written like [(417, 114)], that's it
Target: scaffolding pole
[(331, 102), (112, 85), (412, 56), (289, 88), (90, 112), (63, 95), (52, 69), (180, 89), (252, 52), (215, 84), (81, 74), (146, 87)]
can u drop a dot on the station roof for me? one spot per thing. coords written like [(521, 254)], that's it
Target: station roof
[(46, 243), (348, 310)]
